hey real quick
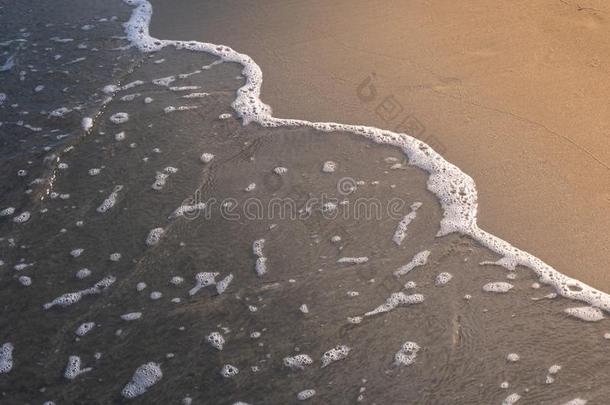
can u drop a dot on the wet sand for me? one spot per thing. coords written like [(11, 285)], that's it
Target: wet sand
[(515, 95), (329, 274)]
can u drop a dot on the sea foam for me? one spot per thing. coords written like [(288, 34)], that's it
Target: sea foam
[(455, 190)]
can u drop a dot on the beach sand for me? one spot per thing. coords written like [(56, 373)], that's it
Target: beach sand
[(515, 94), (163, 140)]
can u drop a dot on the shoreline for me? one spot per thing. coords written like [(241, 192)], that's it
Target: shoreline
[(454, 189), (529, 174)]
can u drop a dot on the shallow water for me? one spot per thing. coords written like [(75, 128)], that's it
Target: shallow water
[(464, 342)]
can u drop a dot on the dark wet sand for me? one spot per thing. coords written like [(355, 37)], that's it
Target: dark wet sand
[(515, 95)]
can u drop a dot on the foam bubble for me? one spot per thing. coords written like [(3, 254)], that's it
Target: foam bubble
[(74, 297), (154, 236), (6, 358), (394, 300), (512, 357), (511, 399), (497, 287), (407, 354), (353, 260), (87, 124), (131, 316), (589, 314), (73, 368), (155, 295), (403, 225), (280, 171), (143, 378), (83, 273), (298, 362), (25, 281), (203, 279), (229, 371), (84, 328), (119, 118), (455, 190), (306, 394), (442, 279), (224, 116), (76, 252), (419, 259), (335, 354), (164, 81), (216, 340), (7, 212), (250, 187), (23, 217), (110, 201), (195, 95), (223, 284), (206, 157), (261, 266), (329, 166), (187, 210)]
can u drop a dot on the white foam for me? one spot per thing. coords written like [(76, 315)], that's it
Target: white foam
[(229, 371), (207, 157), (25, 281), (154, 236), (195, 95), (23, 217), (84, 328), (187, 210), (171, 108), (511, 399), (203, 279), (407, 354), (443, 278), (498, 287), (403, 225), (7, 212), (87, 124), (394, 300), (119, 118), (329, 166), (131, 316), (306, 394), (419, 259), (589, 314), (110, 201), (280, 171), (216, 340), (71, 298), (455, 190), (298, 362), (223, 284), (335, 354), (73, 368), (353, 260), (143, 378), (6, 358), (512, 357)]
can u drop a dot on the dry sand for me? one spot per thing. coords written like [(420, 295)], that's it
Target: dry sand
[(516, 94)]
